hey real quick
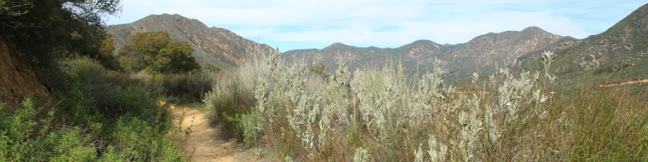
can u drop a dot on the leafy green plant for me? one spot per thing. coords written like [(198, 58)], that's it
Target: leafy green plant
[(100, 117), (157, 52), (23, 137)]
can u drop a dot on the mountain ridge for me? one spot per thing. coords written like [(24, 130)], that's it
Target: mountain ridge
[(621, 52), (483, 51), (211, 45)]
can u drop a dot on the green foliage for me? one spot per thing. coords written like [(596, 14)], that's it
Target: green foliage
[(41, 31), (182, 88), (100, 117), (26, 136), (157, 52), (106, 53), (124, 111), (139, 140), (23, 137), (92, 92), (187, 87), (14, 7), (71, 146), (72, 26), (95, 114), (247, 124)]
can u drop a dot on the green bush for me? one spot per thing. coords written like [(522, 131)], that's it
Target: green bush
[(100, 117), (23, 137), (94, 93), (157, 52), (181, 88), (139, 140), (32, 135), (186, 87)]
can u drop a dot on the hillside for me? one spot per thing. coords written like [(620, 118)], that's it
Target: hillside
[(618, 54), (18, 79), (211, 45), (482, 53)]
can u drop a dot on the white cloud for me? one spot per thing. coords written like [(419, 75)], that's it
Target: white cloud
[(359, 22), (447, 31)]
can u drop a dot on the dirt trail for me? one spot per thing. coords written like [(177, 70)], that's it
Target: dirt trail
[(207, 143), (626, 83)]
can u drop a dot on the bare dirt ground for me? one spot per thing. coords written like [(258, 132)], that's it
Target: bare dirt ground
[(632, 82), (208, 143), (17, 79)]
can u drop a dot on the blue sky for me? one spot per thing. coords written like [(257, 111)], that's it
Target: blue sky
[(297, 24)]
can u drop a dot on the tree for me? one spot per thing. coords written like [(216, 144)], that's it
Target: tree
[(14, 7), (70, 25), (157, 52), (41, 31), (106, 53)]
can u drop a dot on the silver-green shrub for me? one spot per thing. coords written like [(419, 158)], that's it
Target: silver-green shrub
[(389, 114)]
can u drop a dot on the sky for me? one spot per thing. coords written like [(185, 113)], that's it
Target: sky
[(303, 24)]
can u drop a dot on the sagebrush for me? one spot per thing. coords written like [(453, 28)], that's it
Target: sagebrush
[(384, 114)]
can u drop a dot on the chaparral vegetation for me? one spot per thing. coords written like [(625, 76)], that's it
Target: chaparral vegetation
[(384, 114)]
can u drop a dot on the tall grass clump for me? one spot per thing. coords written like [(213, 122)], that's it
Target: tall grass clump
[(383, 114), (232, 97)]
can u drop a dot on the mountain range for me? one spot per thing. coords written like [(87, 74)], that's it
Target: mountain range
[(620, 52), (480, 54)]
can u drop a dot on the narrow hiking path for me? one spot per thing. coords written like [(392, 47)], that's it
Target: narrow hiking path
[(208, 143), (631, 82)]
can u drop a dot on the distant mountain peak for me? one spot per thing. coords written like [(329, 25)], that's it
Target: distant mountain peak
[(170, 19), (338, 45), (533, 29), (422, 43), (166, 16)]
